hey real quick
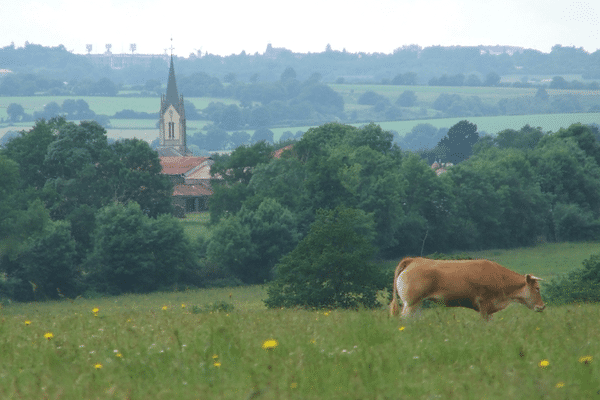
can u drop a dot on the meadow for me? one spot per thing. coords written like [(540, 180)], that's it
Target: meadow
[(184, 345)]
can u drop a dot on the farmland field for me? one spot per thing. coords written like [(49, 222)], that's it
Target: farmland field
[(103, 105), (178, 345)]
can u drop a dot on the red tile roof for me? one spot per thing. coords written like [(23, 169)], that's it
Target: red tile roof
[(180, 165), (191, 190), (277, 154)]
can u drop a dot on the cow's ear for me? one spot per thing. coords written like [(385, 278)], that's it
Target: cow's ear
[(531, 278)]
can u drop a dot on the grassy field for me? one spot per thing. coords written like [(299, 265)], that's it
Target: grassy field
[(426, 95), (493, 125), (168, 346), (196, 225), (103, 105)]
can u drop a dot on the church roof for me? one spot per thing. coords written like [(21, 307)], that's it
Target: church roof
[(172, 97), (180, 165)]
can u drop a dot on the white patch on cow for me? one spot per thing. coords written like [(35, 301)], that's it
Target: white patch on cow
[(402, 288)]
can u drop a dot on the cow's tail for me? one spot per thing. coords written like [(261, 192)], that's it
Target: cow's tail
[(394, 308)]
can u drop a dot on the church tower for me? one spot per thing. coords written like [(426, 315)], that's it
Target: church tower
[(172, 134)]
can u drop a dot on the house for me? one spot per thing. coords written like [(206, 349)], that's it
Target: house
[(191, 182)]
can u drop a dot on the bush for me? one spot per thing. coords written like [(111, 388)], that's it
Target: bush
[(46, 269), (580, 285), (330, 266), (134, 253), (371, 98), (442, 256), (252, 242)]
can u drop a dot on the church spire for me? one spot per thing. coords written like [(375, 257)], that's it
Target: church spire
[(172, 95)]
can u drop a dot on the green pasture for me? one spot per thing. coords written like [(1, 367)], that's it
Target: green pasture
[(177, 345), (103, 105), (197, 225), (493, 125), (426, 95)]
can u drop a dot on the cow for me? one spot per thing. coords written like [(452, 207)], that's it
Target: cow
[(481, 285)]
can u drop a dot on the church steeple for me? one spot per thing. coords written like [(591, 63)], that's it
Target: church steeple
[(172, 95), (172, 126)]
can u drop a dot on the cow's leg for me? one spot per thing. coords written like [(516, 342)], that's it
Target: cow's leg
[(486, 311), (413, 310)]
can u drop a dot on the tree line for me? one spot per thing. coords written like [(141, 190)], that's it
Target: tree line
[(82, 215), (58, 63), (509, 190)]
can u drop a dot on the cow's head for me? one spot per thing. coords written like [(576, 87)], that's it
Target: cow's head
[(533, 298)]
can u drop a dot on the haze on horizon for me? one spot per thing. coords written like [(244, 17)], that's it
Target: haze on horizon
[(232, 26)]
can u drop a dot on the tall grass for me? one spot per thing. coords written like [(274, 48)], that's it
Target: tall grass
[(138, 350)]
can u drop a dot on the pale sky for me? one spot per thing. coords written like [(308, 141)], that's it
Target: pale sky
[(227, 27)]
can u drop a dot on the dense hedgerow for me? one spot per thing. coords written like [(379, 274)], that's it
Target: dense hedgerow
[(579, 285)]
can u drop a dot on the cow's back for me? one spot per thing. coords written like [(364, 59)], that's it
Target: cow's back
[(459, 278)]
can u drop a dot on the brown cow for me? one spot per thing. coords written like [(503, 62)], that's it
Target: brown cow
[(481, 285)]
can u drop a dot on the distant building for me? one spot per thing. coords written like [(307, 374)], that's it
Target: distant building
[(171, 125), (190, 175), (191, 182)]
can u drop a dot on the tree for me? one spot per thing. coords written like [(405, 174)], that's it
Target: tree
[(15, 111), (492, 79), (408, 98), (330, 266), (371, 98), (252, 242), (235, 172), (216, 139), (29, 150), (133, 253), (542, 94), (457, 145), (526, 138), (46, 269), (105, 87), (422, 137), (134, 174), (289, 73), (262, 134), (260, 117), (231, 118)]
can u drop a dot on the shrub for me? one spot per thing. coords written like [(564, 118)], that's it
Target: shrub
[(330, 266), (442, 256), (46, 269), (579, 285), (134, 253)]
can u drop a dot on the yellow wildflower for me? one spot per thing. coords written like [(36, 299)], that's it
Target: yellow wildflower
[(270, 344), (27, 322), (49, 335), (559, 385), (215, 356), (119, 355), (544, 363), (164, 308), (401, 328), (217, 364), (98, 366), (294, 385), (585, 359), (182, 305)]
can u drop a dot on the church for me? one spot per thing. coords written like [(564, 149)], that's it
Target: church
[(190, 175)]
